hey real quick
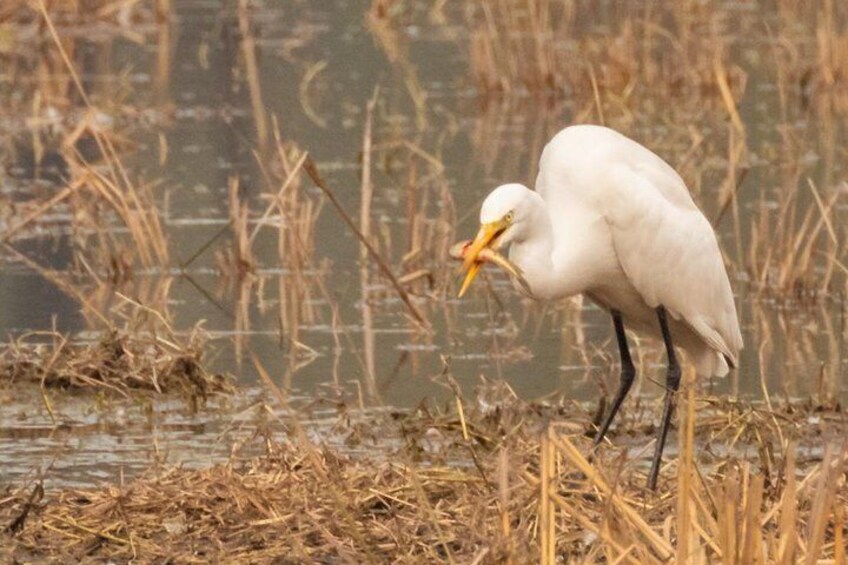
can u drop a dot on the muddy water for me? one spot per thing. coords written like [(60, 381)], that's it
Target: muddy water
[(182, 96)]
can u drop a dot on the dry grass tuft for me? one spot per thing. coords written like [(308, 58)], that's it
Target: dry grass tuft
[(120, 363)]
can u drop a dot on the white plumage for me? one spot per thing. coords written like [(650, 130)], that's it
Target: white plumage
[(611, 220)]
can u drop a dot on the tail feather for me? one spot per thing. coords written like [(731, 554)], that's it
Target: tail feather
[(711, 363)]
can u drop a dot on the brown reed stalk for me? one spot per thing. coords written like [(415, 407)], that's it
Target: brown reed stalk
[(686, 534), (785, 553), (248, 46), (312, 171), (547, 537)]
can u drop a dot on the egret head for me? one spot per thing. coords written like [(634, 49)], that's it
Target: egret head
[(504, 216)]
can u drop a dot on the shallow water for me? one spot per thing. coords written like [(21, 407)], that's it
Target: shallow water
[(183, 86)]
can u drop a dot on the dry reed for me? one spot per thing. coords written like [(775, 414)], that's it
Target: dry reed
[(672, 77), (97, 193), (120, 363), (385, 269), (740, 490), (237, 261), (530, 494), (70, 12)]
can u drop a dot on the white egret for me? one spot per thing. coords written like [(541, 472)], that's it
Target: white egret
[(611, 220)]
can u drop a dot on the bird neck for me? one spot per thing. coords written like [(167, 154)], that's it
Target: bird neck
[(552, 269)]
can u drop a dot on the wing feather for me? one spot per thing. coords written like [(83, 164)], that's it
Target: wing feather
[(664, 244), (671, 255)]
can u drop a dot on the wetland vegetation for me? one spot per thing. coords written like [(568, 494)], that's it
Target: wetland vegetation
[(229, 311)]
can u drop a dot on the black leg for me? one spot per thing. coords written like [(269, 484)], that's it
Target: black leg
[(672, 383), (628, 373)]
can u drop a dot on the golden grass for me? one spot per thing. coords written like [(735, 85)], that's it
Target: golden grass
[(531, 494), (554, 46), (524, 490)]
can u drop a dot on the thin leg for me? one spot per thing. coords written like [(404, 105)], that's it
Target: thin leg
[(672, 383), (628, 374)]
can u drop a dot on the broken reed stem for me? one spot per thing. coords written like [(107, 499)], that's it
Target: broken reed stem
[(252, 69), (163, 52), (281, 397), (55, 35), (242, 260), (830, 470), (367, 191), (503, 496), (786, 543), (727, 96), (547, 532), (312, 171), (277, 203), (838, 536), (660, 545), (685, 466), (366, 197)]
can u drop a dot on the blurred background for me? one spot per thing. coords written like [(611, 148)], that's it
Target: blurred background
[(153, 161)]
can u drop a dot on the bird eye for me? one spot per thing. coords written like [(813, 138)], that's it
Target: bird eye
[(509, 217)]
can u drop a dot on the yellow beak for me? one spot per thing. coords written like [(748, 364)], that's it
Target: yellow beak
[(485, 237), (469, 276)]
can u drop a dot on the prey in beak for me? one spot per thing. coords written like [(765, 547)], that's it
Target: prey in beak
[(484, 249)]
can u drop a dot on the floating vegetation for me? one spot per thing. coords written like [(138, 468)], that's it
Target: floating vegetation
[(120, 363)]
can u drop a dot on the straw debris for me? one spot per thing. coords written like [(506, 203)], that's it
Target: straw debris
[(119, 363), (516, 490)]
